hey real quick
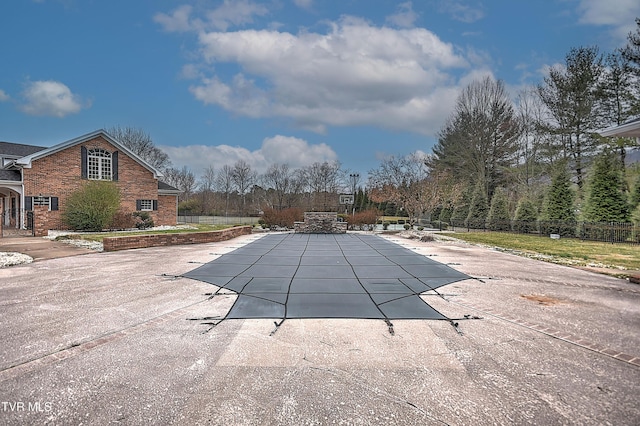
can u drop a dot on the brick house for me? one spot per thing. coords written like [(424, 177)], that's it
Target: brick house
[(39, 180)]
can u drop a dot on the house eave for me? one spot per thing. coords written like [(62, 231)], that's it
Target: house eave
[(26, 161), (626, 130)]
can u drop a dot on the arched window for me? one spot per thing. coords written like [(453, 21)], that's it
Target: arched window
[(99, 164)]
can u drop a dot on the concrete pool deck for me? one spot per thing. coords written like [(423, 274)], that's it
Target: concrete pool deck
[(122, 337)]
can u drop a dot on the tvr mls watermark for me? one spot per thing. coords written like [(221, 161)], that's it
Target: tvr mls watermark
[(30, 407)]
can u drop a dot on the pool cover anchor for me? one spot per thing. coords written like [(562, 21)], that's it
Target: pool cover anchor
[(171, 276), (455, 325), (212, 321), (214, 294), (277, 327), (454, 322), (390, 327)]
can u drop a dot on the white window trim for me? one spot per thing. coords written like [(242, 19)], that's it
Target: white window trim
[(103, 169), (144, 204), (40, 200)]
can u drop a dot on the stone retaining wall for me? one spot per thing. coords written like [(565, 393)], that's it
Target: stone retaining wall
[(158, 240), (320, 223)]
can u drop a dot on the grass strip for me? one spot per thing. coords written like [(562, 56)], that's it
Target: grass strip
[(565, 250)]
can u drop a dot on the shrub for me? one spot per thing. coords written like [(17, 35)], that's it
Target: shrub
[(92, 207), (122, 220), (440, 225), (407, 227), (363, 220), (190, 206), (143, 220), (283, 218)]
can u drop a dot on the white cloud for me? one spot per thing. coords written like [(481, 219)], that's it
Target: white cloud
[(50, 98), (355, 74), (278, 149), (3, 96), (405, 17), (177, 21), (461, 12), (229, 13), (303, 4), (618, 14)]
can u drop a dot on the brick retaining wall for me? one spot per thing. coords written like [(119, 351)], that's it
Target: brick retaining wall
[(158, 240)]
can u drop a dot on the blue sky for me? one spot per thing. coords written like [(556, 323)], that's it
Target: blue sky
[(295, 81)]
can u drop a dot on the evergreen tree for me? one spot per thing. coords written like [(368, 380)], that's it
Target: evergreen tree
[(526, 216), (479, 142), (478, 209), (571, 93), (559, 216), (620, 93), (632, 51), (445, 214), (499, 218), (635, 195), (461, 210), (635, 217), (605, 200)]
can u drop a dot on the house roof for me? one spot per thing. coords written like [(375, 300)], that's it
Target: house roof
[(18, 150), (26, 160), (165, 188), (630, 129)]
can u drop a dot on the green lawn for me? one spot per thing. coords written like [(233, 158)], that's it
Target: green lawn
[(98, 236), (565, 250)]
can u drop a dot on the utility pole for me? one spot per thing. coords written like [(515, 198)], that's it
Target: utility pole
[(354, 179)]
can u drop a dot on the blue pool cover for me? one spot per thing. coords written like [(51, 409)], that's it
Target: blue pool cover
[(327, 276)]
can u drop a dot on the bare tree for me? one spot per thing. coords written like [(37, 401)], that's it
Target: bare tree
[(530, 113), (207, 184), (299, 185), (141, 144), (224, 184), (243, 179), (183, 179), (278, 178), (324, 179), (405, 182)]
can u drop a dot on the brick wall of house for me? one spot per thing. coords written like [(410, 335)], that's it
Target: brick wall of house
[(167, 213), (59, 175)]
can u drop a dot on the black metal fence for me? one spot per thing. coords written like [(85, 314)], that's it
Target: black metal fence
[(612, 232)]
